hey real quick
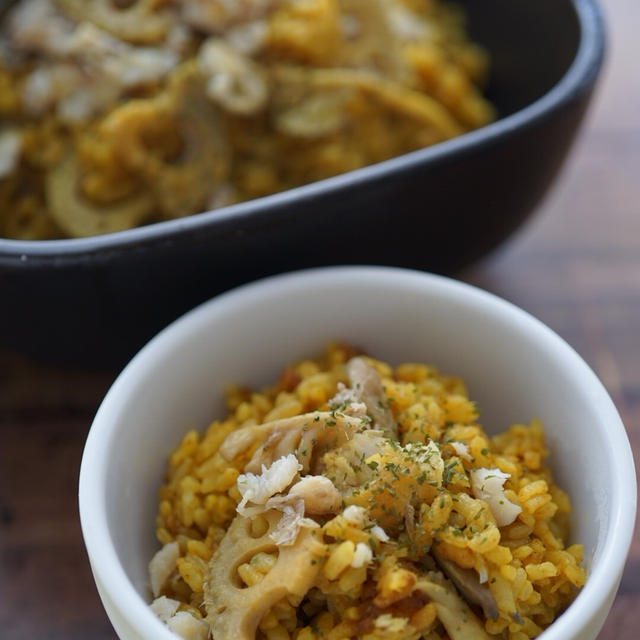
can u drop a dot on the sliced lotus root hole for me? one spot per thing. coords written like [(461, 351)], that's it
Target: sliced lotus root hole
[(257, 527), (244, 572), (234, 608), (252, 572)]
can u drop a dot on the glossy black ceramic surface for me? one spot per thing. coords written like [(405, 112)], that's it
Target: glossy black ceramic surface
[(99, 299)]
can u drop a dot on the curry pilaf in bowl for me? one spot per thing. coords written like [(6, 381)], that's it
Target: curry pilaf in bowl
[(449, 470), (353, 499)]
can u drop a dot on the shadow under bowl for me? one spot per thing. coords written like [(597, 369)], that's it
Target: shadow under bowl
[(97, 300)]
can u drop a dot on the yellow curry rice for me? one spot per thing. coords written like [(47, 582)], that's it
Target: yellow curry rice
[(391, 550)]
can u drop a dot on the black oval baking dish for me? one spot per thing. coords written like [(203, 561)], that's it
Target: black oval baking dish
[(96, 300)]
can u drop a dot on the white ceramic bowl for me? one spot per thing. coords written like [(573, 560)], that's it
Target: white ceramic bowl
[(515, 367)]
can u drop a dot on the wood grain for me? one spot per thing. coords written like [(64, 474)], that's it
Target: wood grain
[(576, 266)]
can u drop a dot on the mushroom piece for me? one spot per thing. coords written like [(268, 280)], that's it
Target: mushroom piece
[(468, 583), (454, 613), (301, 435), (233, 612), (366, 383)]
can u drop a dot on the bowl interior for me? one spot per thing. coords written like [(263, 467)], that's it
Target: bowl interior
[(515, 368)]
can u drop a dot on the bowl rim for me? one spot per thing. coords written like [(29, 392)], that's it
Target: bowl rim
[(129, 604), (577, 80)]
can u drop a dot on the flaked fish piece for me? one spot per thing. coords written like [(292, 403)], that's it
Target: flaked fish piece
[(188, 626), (162, 565), (462, 450), (183, 623), (259, 489), (487, 484), (306, 436), (362, 556), (366, 383), (234, 612), (318, 493), (347, 401), (291, 523), (264, 492), (311, 494), (164, 607)]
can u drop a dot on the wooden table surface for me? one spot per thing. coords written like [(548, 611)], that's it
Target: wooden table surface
[(576, 266)]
